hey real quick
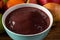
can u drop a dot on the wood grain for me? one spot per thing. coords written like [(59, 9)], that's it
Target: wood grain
[(54, 34)]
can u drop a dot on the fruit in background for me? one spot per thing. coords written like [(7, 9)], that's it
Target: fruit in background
[(5, 7), (42, 2), (55, 10), (32, 1), (5, 1), (11, 3), (1, 3), (2, 6), (1, 26)]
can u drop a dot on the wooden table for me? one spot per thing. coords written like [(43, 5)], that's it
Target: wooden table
[(54, 34)]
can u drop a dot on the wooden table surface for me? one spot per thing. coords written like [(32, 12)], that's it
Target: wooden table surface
[(54, 34)]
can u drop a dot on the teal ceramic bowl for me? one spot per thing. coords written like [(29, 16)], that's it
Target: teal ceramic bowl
[(38, 36)]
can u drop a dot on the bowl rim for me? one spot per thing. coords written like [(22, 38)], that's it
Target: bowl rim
[(32, 5)]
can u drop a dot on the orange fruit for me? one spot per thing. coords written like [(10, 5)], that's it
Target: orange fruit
[(11, 3)]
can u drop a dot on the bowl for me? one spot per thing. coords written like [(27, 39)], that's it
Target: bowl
[(38, 36)]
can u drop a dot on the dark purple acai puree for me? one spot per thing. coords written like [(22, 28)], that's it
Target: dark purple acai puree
[(27, 20)]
